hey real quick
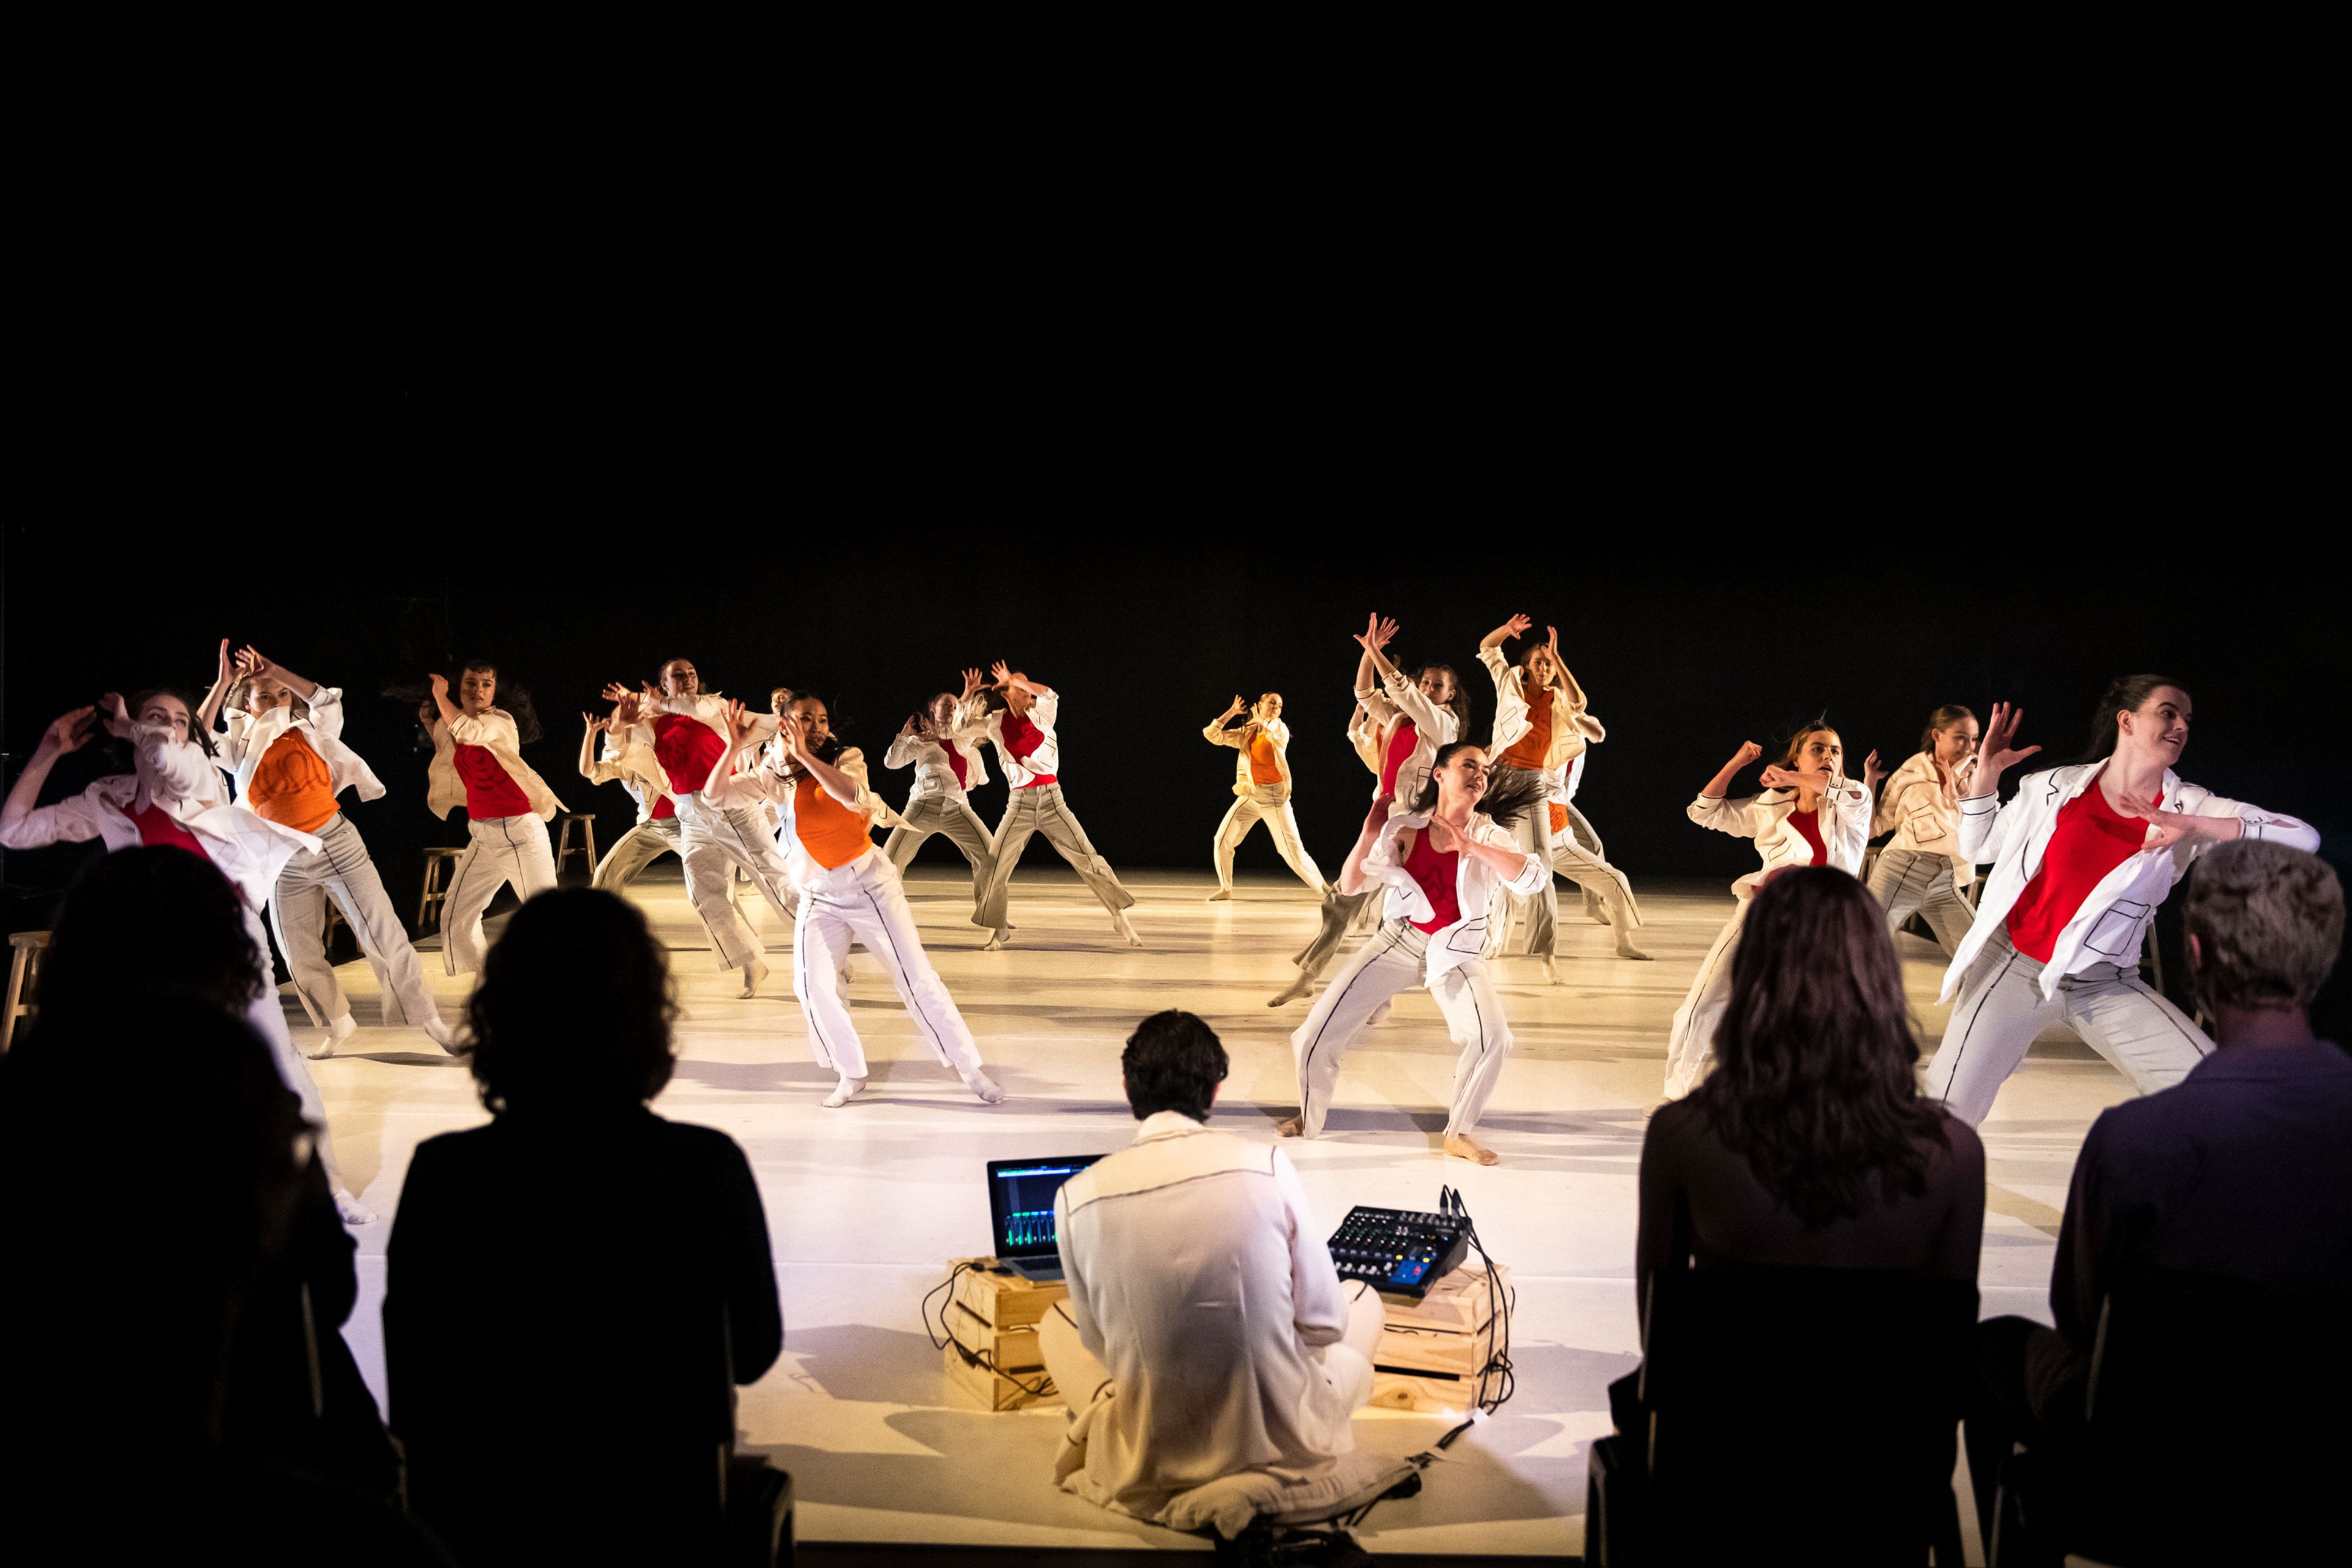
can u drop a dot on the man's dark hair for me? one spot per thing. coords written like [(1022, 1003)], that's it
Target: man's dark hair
[(1173, 1061), (574, 1010), (145, 924)]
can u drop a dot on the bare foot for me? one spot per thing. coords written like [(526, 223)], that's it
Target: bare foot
[(1551, 972), (1294, 990), (1625, 948), (1290, 1127), (1221, 896), (1120, 923), (443, 1035), (1461, 1146), (753, 972), (988, 1091), (350, 1209), (995, 943), (848, 1090), (341, 1029)]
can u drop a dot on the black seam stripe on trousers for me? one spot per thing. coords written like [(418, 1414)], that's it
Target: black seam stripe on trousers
[(1982, 998), (1312, 1045), (2139, 987), (907, 981)]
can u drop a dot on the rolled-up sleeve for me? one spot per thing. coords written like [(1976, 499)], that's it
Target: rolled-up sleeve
[(172, 769), (2270, 827), (1724, 814), (1981, 827)]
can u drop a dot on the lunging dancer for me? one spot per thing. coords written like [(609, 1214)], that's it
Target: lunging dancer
[(1541, 724), (1921, 871), (1400, 723), (2081, 857), (849, 893), (1439, 861), (1810, 814), (478, 763), (1031, 757), (686, 731), (1260, 791), (942, 745), (284, 755), (175, 795)]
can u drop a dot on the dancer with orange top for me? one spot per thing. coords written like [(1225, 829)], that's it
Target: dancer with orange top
[(850, 891), (1260, 791)]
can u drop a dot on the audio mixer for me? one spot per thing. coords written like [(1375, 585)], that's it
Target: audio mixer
[(1398, 1251)]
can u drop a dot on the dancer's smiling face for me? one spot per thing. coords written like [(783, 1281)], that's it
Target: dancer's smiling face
[(1956, 743), (2159, 727), (1437, 685), (678, 678), (1269, 709), (1462, 782), (478, 690)]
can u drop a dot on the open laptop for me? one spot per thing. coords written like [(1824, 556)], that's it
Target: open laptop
[(1021, 1202)]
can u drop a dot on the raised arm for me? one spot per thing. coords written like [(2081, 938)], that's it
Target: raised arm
[(442, 705), (1376, 822), (831, 779), (21, 825), (1006, 676), (1515, 627), (1721, 784), (1512, 866), (209, 711), (1216, 732), (1374, 638)]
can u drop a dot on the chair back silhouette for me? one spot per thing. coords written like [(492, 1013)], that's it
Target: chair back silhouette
[(1814, 1410)]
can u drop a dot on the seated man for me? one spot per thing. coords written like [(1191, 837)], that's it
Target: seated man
[(1207, 1334), (2241, 1171)]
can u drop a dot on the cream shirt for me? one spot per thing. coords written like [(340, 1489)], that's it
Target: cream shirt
[(493, 730), (1216, 732), (1842, 817), (967, 733), (1397, 698), (1912, 805)]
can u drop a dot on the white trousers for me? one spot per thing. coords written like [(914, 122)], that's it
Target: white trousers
[(342, 870), (1533, 833), (1040, 809), (953, 816), (1394, 961), (863, 902), (1690, 1040), (1269, 803), (503, 850), (1906, 883), (2001, 1009), (713, 843), (638, 849), (268, 1018)]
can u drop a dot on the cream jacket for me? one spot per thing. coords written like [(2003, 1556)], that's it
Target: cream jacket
[(1913, 806), (248, 739), (1842, 817), (1572, 728), (767, 782), (493, 730), (1047, 758), (1396, 699), (2108, 927), (1216, 732), (967, 733), (1476, 883), (630, 766), (636, 749)]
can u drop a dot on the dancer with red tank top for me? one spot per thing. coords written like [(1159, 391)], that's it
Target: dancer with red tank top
[(1438, 862), (286, 758), (2081, 857), (175, 795), (1031, 757), (942, 744), (849, 892), (478, 764), (1810, 814)]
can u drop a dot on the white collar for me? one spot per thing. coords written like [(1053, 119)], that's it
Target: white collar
[(1166, 1124)]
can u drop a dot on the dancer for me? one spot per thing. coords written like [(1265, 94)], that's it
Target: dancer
[(1261, 789), (1399, 726), (1541, 724), (942, 745), (2081, 857), (478, 763), (1031, 758), (175, 795), (1439, 861), (284, 753), (849, 890), (655, 834), (683, 728), (1810, 814), (1921, 871)]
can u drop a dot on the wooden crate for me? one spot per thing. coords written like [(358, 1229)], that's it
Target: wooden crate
[(1431, 1350), (996, 1316), (1431, 1395), (1005, 1301), (1457, 1304), (993, 1390), (1427, 1349)]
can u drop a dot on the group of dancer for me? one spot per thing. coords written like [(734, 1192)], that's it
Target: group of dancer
[(1460, 839)]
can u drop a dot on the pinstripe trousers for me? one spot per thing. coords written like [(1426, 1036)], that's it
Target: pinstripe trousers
[(953, 816), (2002, 1008), (342, 870), (1395, 961), (1906, 883), (712, 843), (863, 902), (502, 849), (1039, 809)]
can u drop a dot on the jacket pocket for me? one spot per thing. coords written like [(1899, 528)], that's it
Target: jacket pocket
[(1470, 936), (1926, 825), (2117, 934)]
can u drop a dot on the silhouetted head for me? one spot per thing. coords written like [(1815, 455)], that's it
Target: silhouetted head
[(572, 1016), (2264, 925), (1173, 1061), (146, 925)]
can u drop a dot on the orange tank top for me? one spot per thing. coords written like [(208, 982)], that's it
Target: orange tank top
[(1533, 750), (292, 786), (1266, 763), (833, 835)]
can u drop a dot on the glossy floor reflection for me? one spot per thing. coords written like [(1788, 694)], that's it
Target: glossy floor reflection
[(867, 1203)]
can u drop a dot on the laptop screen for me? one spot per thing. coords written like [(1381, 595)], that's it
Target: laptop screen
[(1021, 1201)]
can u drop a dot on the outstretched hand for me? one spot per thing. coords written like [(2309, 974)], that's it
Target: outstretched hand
[(1376, 818), (973, 681), (1872, 772), (1516, 626), (71, 731), (225, 666), (2172, 826), (114, 715), (790, 735), (1376, 633), (627, 708), (1002, 672), (739, 720), (615, 691), (1997, 752), (1444, 837), (597, 723)]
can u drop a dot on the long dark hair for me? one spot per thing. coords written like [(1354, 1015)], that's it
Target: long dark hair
[(1813, 1081), (514, 700), (2124, 694), (1459, 703), (1511, 793)]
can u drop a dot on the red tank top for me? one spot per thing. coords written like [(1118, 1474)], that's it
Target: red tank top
[(1809, 823), (490, 791), (956, 765), (664, 809), (1021, 739), (157, 825), (688, 749), (2092, 838), (1400, 745), (1440, 883)]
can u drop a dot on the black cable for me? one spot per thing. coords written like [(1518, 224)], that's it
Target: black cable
[(1500, 1303), (985, 1359)]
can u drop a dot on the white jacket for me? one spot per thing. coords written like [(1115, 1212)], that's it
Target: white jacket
[(1572, 728), (1842, 820), (1395, 698), (1046, 760), (1912, 805), (967, 733), (636, 752), (632, 768), (2108, 927), (249, 738), (494, 731), (1450, 946), (1216, 732)]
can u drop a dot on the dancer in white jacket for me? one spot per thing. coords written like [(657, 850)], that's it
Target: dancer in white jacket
[(1031, 755), (478, 764), (1810, 814), (1437, 861), (2081, 857), (1542, 723), (942, 744), (175, 795), (1261, 785), (284, 755), (1921, 871), (849, 892)]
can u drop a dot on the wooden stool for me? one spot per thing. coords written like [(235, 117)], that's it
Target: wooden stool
[(563, 845), (25, 948), (436, 857)]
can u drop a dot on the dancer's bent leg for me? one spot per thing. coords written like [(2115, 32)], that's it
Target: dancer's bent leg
[(874, 908), (487, 865), (1948, 912), (1283, 823), (1069, 841), (2128, 1021), (355, 885), (1012, 836), (639, 848), (820, 941), (2001, 1009), (298, 919), (1473, 1017), (967, 832), (1389, 963), (1239, 818)]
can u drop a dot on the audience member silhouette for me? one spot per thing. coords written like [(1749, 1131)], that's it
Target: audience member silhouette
[(573, 1286), (119, 1327)]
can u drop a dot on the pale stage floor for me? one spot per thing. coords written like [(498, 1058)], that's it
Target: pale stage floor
[(866, 1204)]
